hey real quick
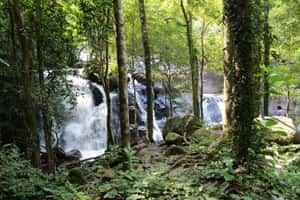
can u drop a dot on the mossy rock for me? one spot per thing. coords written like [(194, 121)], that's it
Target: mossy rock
[(282, 129), (182, 124), (204, 137), (174, 150), (76, 176), (174, 138)]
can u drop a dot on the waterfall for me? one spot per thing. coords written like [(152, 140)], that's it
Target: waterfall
[(85, 127), (213, 109), (141, 100), (85, 130)]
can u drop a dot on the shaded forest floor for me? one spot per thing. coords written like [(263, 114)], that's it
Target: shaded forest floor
[(201, 169)]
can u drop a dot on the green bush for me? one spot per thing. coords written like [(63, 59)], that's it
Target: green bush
[(20, 181)]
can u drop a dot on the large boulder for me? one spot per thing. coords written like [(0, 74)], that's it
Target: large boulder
[(62, 156), (97, 95), (73, 155), (174, 150), (283, 130), (185, 124), (113, 80), (140, 77), (174, 138)]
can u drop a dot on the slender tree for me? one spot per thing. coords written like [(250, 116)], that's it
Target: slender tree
[(202, 64), (148, 70), (42, 90), (267, 45), (243, 55), (122, 69), (193, 60), (228, 74), (29, 111)]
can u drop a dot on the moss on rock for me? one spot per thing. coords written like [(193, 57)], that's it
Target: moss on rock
[(182, 124), (282, 129), (174, 138)]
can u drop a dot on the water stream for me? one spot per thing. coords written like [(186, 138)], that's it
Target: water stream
[(85, 129)]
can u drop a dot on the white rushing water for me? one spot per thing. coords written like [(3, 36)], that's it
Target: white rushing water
[(213, 109), (86, 129), (141, 101)]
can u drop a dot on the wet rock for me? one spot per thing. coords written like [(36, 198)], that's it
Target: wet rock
[(97, 95), (182, 124), (140, 77), (282, 129), (73, 155), (62, 156), (160, 108), (113, 82), (137, 134), (174, 150), (59, 153), (132, 114), (173, 138), (76, 176)]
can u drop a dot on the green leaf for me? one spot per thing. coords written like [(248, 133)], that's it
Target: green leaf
[(271, 122)]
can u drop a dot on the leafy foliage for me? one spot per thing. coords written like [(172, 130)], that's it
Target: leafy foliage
[(20, 181)]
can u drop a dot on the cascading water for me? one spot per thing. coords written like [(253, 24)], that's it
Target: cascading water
[(141, 100), (86, 128), (213, 109)]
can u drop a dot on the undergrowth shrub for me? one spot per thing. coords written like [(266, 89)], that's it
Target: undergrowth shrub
[(20, 181)]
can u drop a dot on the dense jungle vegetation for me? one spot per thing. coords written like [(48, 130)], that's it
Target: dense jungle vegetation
[(111, 99)]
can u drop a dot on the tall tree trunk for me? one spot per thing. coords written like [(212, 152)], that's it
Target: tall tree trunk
[(42, 90), (243, 15), (202, 68), (228, 76), (148, 71), (29, 111), (122, 68), (193, 61), (107, 96), (13, 59), (267, 45)]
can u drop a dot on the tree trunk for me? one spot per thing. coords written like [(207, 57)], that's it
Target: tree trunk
[(228, 77), (122, 68), (202, 69), (107, 96), (13, 59), (148, 71), (29, 111), (243, 15), (193, 61), (42, 92), (267, 45)]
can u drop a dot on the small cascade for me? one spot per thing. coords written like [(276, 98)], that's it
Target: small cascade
[(85, 130), (141, 100), (213, 109), (115, 119)]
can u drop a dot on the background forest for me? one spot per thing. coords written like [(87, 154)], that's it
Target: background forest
[(140, 99)]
